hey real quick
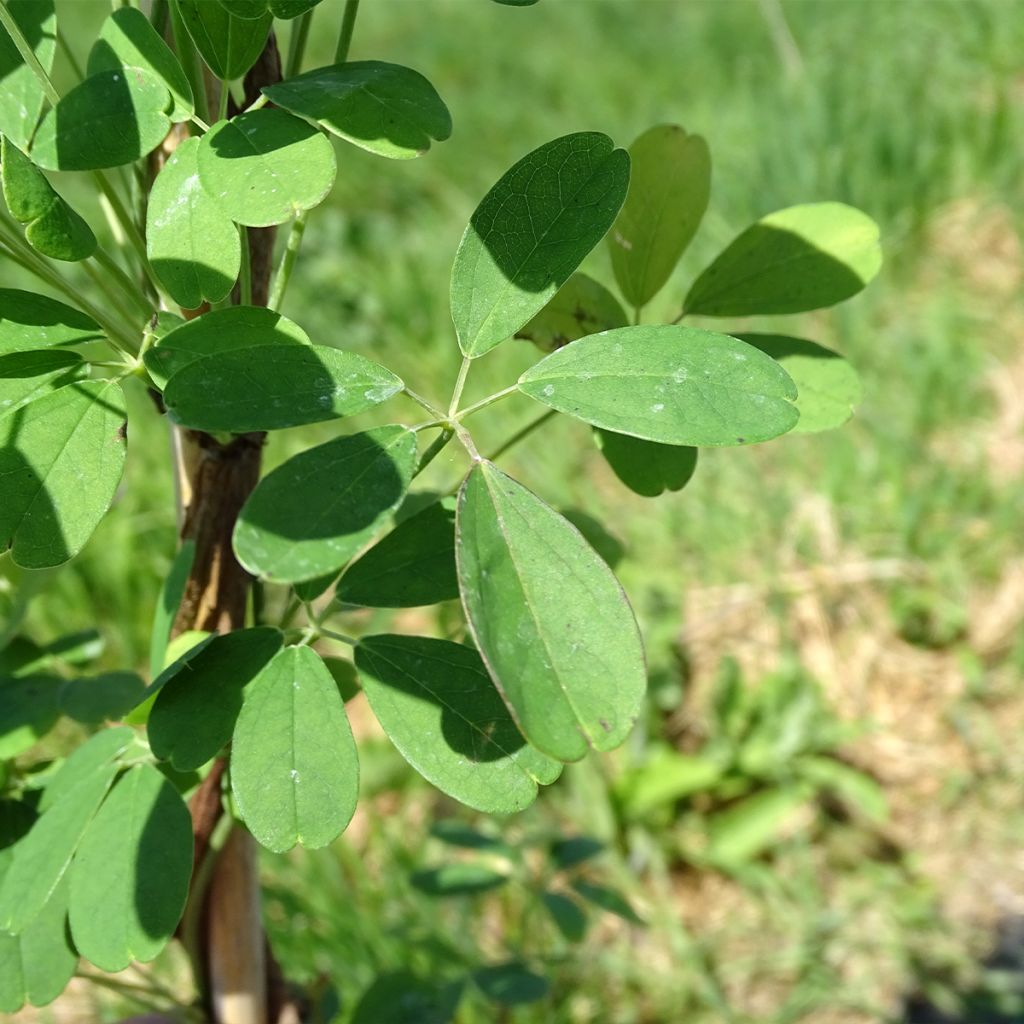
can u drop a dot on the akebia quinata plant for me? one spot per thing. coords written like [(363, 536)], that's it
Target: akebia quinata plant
[(142, 832)]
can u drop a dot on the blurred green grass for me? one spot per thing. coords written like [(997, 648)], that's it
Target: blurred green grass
[(910, 110)]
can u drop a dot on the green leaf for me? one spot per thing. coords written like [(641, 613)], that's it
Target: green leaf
[(26, 376), (294, 766), (266, 166), (276, 386), (571, 852), (29, 709), (669, 185), (439, 707), (221, 330), (828, 387), (253, 9), (112, 118), (61, 458), (127, 40), (309, 516), (344, 675), (666, 777), (195, 710), (412, 566), (100, 750), (52, 227), (797, 259), (21, 92), (676, 385), (229, 45), (530, 232), (580, 307), (170, 599), (550, 620), (288, 9), (751, 826), (93, 699), (456, 833), (511, 984), (192, 245), (36, 965), (567, 914), (607, 899), (399, 997), (384, 108), (29, 321), (130, 876), (647, 467), (43, 856), (460, 879)]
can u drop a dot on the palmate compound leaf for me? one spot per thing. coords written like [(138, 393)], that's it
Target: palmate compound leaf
[(412, 566), (25, 376), (129, 879), (384, 108), (51, 226), (193, 246), (439, 707), (669, 186), (228, 44), (828, 387), (61, 458), (112, 118), (580, 307), (530, 232), (42, 857), (195, 709), (276, 386), (309, 516), (294, 766), (30, 321), (552, 623), (128, 40), (797, 259), (21, 92), (676, 385), (220, 330), (36, 965), (265, 166)]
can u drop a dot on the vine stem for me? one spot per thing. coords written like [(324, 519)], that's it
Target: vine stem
[(436, 446), (489, 400), (424, 404), (348, 21), (291, 254), (297, 45), (460, 383), (521, 434), (27, 53)]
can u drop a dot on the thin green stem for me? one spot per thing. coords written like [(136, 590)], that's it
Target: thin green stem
[(222, 99), (158, 16), (190, 63), (521, 434), (199, 123), (489, 400), (27, 53), (340, 637), (433, 451), (348, 24), (130, 288), (115, 301), (424, 404), (131, 232), (245, 271), (460, 383), (637, 313), (297, 44), (70, 55), (260, 101), (291, 254)]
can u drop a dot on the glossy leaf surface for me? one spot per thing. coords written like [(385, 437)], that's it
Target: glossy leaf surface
[(384, 108), (676, 385), (439, 707), (669, 185), (128, 40), (276, 386), (21, 92), (828, 387), (195, 710), (294, 766), (309, 516), (61, 459), (550, 620), (264, 167), (25, 376), (530, 232), (220, 330), (193, 246), (51, 226), (110, 119), (801, 258), (29, 320), (414, 565)]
